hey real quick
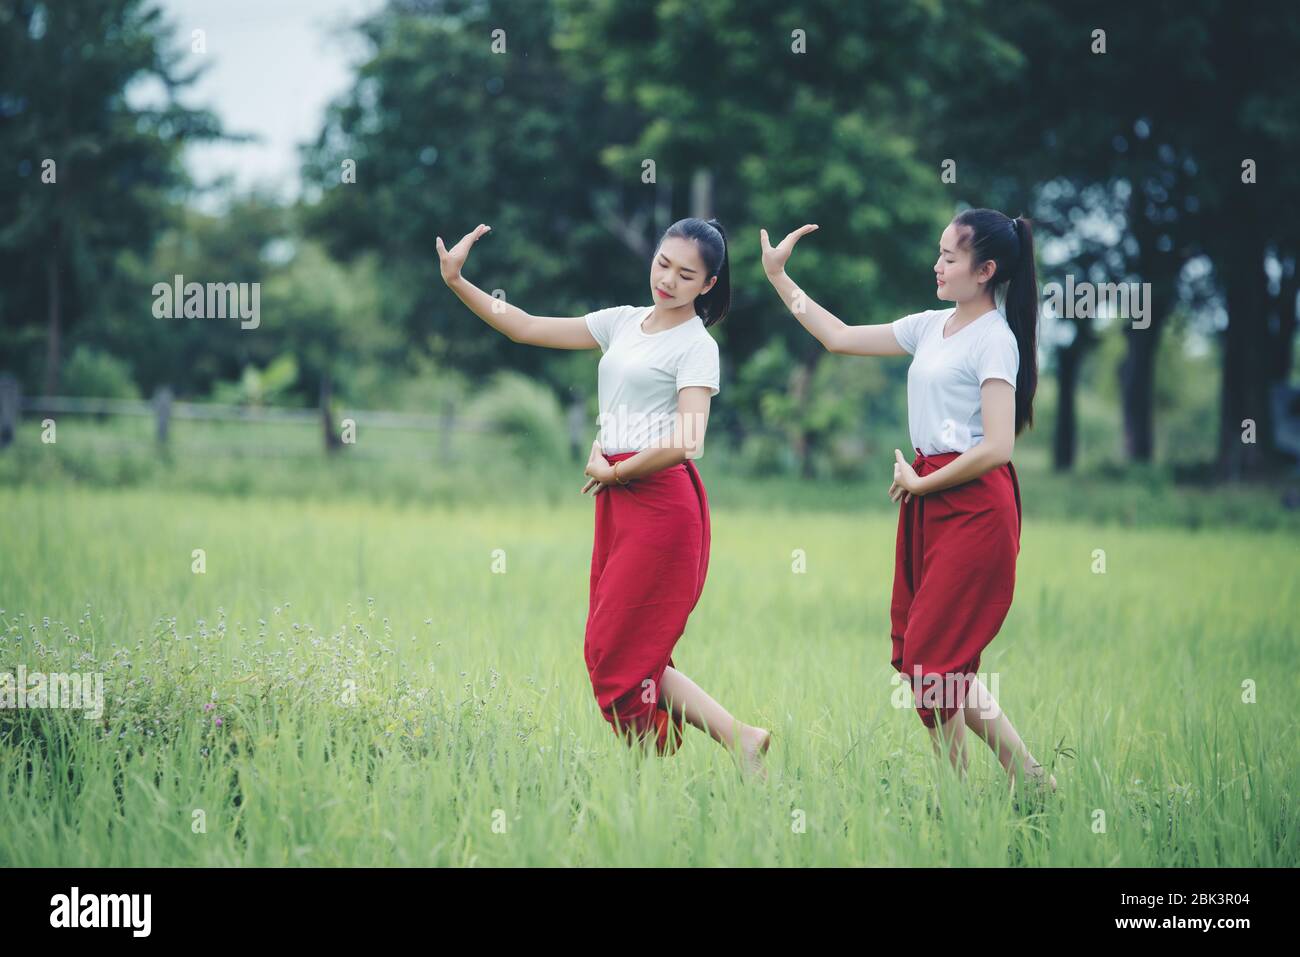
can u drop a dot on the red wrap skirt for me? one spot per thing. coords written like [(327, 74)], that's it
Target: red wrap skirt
[(649, 559), (954, 575)]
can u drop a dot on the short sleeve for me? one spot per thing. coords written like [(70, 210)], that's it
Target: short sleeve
[(908, 330), (997, 356), (700, 365), (603, 322)]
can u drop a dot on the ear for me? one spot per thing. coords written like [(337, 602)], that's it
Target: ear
[(709, 285), (986, 272)]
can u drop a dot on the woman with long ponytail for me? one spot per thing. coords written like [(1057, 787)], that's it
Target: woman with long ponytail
[(657, 376), (970, 392)]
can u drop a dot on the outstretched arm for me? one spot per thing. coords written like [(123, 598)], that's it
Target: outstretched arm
[(555, 332), (836, 336)]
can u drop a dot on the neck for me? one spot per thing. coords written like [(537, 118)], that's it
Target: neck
[(971, 309), (665, 317)]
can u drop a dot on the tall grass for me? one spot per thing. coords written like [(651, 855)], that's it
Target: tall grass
[(386, 697)]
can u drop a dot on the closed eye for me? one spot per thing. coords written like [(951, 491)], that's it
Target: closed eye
[(686, 273)]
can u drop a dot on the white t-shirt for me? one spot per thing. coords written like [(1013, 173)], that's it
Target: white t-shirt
[(943, 382), (640, 373)]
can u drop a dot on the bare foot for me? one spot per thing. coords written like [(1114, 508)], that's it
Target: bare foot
[(753, 745), (1036, 776)]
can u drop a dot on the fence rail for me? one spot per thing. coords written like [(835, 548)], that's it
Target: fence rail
[(162, 408)]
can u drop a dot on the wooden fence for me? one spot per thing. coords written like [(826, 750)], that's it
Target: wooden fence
[(163, 408)]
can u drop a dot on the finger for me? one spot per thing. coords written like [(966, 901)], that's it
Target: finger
[(797, 234), (442, 250), (898, 455), (762, 236), (907, 498)]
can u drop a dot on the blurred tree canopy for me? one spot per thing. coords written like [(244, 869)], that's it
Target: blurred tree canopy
[(1149, 142)]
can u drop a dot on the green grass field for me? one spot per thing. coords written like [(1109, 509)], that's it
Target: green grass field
[(387, 698)]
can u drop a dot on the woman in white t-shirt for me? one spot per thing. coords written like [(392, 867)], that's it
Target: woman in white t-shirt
[(970, 391), (658, 373)]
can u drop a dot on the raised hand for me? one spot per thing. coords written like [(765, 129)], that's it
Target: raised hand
[(774, 258), (451, 260)]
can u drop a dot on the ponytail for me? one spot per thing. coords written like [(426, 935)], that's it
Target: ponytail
[(1009, 243), (1022, 317)]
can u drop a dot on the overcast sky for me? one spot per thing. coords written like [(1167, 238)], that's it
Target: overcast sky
[(273, 67)]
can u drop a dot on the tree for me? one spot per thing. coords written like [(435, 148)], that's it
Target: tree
[(463, 115), (96, 174)]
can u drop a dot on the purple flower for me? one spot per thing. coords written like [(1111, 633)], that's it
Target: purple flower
[(217, 721), (208, 706)]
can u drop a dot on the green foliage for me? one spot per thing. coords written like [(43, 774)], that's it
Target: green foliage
[(525, 411), (94, 374), (257, 387)]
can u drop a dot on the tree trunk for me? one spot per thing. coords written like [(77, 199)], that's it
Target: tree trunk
[(802, 439), (1137, 378), (1246, 362), (54, 319), (1065, 441), (1286, 322), (702, 194)]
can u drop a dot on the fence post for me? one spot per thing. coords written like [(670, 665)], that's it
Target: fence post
[(162, 406), (445, 426), (577, 428), (8, 408), (333, 441)]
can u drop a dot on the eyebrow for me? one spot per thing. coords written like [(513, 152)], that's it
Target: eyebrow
[(684, 268), (946, 251)]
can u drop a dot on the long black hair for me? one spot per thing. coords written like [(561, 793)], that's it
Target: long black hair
[(1009, 242), (708, 234)]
